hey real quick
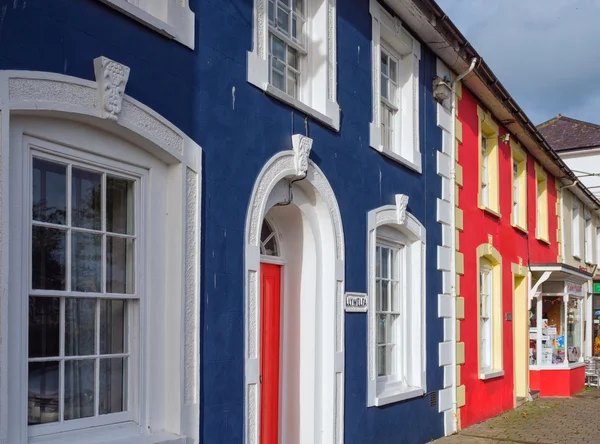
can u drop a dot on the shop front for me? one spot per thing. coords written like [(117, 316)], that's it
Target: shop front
[(556, 329)]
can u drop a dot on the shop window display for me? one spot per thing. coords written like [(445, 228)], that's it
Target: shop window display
[(533, 332), (556, 325), (553, 335)]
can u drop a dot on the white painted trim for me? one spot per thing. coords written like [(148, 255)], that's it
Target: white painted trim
[(446, 215), (406, 150), (491, 375), (72, 101), (402, 394), (281, 166), (413, 380), (570, 366), (319, 92), (177, 22)]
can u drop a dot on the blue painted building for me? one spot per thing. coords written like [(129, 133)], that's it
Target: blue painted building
[(263, 163)]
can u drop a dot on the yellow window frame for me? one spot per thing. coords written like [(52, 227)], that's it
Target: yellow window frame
[(489, 129), (541, 204), (488, 252), (520, 157)]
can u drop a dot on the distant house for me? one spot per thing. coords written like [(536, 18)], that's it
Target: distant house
[(578, 144)]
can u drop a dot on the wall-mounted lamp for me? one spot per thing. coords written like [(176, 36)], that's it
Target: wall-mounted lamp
[(505, 138), (441, 88)]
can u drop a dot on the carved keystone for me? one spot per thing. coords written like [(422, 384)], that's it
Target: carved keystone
[(301, 146), (112, 78), (401, 204)]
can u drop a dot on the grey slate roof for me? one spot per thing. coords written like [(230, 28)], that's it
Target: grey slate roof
[(564, 133)]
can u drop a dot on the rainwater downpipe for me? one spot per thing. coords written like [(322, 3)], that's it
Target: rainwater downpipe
[(453, 231)]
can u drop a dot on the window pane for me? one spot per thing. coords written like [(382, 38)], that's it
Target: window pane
[(271, 13), (119, 205), (384, 65), (292, 88), (119, 265), (389, 359), (86, 261), (381, 361), (283, 20), (393, 71), (80, 326), (391, 327), (112, 386), (44, 327), (394, 295), (278, 79), (384, 87), (385, 260), (79, 389), (298, 6), (381, 328), (378, 295), (292, 59), (278, 48), (48, 258), (378, 261), (86, 198), (112, 326), (49, 191), (42, 396), (384, 296)]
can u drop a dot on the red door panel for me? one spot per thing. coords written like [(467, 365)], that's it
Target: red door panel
[(270, 300)]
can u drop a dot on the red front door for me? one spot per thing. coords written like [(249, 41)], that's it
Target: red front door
[(270, 303)]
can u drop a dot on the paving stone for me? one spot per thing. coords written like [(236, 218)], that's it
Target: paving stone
[(573, 420)]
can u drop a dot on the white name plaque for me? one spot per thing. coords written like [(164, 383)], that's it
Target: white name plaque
[(356, 302)]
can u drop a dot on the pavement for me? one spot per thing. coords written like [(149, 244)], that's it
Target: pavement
[(574, 420)]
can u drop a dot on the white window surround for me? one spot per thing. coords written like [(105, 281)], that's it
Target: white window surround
[(575, 228), (389, 33), (411, 376), (152, 141), (318, 91), (587, 237), (172, 18)]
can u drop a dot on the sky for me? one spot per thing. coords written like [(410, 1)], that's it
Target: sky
[(545, 52)]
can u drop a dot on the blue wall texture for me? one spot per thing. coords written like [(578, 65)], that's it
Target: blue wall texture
[(193, 89)]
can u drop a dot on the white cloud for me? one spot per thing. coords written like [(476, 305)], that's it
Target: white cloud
[(545, 52)]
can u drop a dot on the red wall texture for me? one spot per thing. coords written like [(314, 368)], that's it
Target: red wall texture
[(485, 399), (557, 382)]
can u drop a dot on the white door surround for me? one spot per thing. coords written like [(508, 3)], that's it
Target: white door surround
[(320, 380)]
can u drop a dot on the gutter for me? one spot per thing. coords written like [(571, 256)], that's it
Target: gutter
[(457, 52)]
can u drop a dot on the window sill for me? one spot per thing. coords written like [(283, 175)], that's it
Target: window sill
[(568, 366), (375, 139), (118, 434), (491, 374), (520, 228), (182, 30), (332, 121), (544, 240), (395, 393), (489, 210)]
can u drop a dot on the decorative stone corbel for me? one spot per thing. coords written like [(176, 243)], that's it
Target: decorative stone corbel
[(401, 204), (301, 146), (112, 78)]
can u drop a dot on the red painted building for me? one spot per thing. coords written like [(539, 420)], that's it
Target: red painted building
[(508, 204)]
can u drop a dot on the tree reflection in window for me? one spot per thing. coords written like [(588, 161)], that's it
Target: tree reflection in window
[(268, 240)]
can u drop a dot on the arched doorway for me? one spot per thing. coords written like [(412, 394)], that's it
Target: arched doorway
[(294, 311)]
